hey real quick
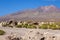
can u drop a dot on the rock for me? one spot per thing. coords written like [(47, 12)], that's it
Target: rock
[(15, 39), (42, 38)]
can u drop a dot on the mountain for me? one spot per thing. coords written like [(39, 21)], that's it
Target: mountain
[(43, 13)]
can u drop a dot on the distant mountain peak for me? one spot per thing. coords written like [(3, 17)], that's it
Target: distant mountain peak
[(50, 8)]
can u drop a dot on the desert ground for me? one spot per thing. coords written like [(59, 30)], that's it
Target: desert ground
[(29, 34)]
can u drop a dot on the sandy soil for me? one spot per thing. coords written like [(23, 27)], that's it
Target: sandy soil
[(28, 34)]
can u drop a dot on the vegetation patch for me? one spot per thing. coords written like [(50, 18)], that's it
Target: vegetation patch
[(2, 32), (40, 25)]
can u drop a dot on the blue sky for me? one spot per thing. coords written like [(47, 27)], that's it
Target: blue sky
[(11, 6)]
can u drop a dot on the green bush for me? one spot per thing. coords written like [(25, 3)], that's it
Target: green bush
[(31, 26), (44, 26), (52, 26), (49, 26), (2, 32), (25, 25)]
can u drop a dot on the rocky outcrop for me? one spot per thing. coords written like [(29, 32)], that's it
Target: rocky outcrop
[(30, 34), (35, 35)]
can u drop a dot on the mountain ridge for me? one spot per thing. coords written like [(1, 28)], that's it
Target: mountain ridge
[(44, 13)]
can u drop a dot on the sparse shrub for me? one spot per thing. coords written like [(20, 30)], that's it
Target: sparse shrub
[(52, 26), (49, 26), (5, 25), (10, 26), (2, 32), (19, 26), (31, 26), (25, 25), (58, 27), (44, 26)]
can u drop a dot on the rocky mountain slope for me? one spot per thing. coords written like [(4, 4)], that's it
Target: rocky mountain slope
[(44, 13)]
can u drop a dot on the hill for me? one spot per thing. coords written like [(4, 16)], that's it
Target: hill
[(43, 13)]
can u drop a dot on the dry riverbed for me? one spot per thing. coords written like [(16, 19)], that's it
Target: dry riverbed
[(30, 34)]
